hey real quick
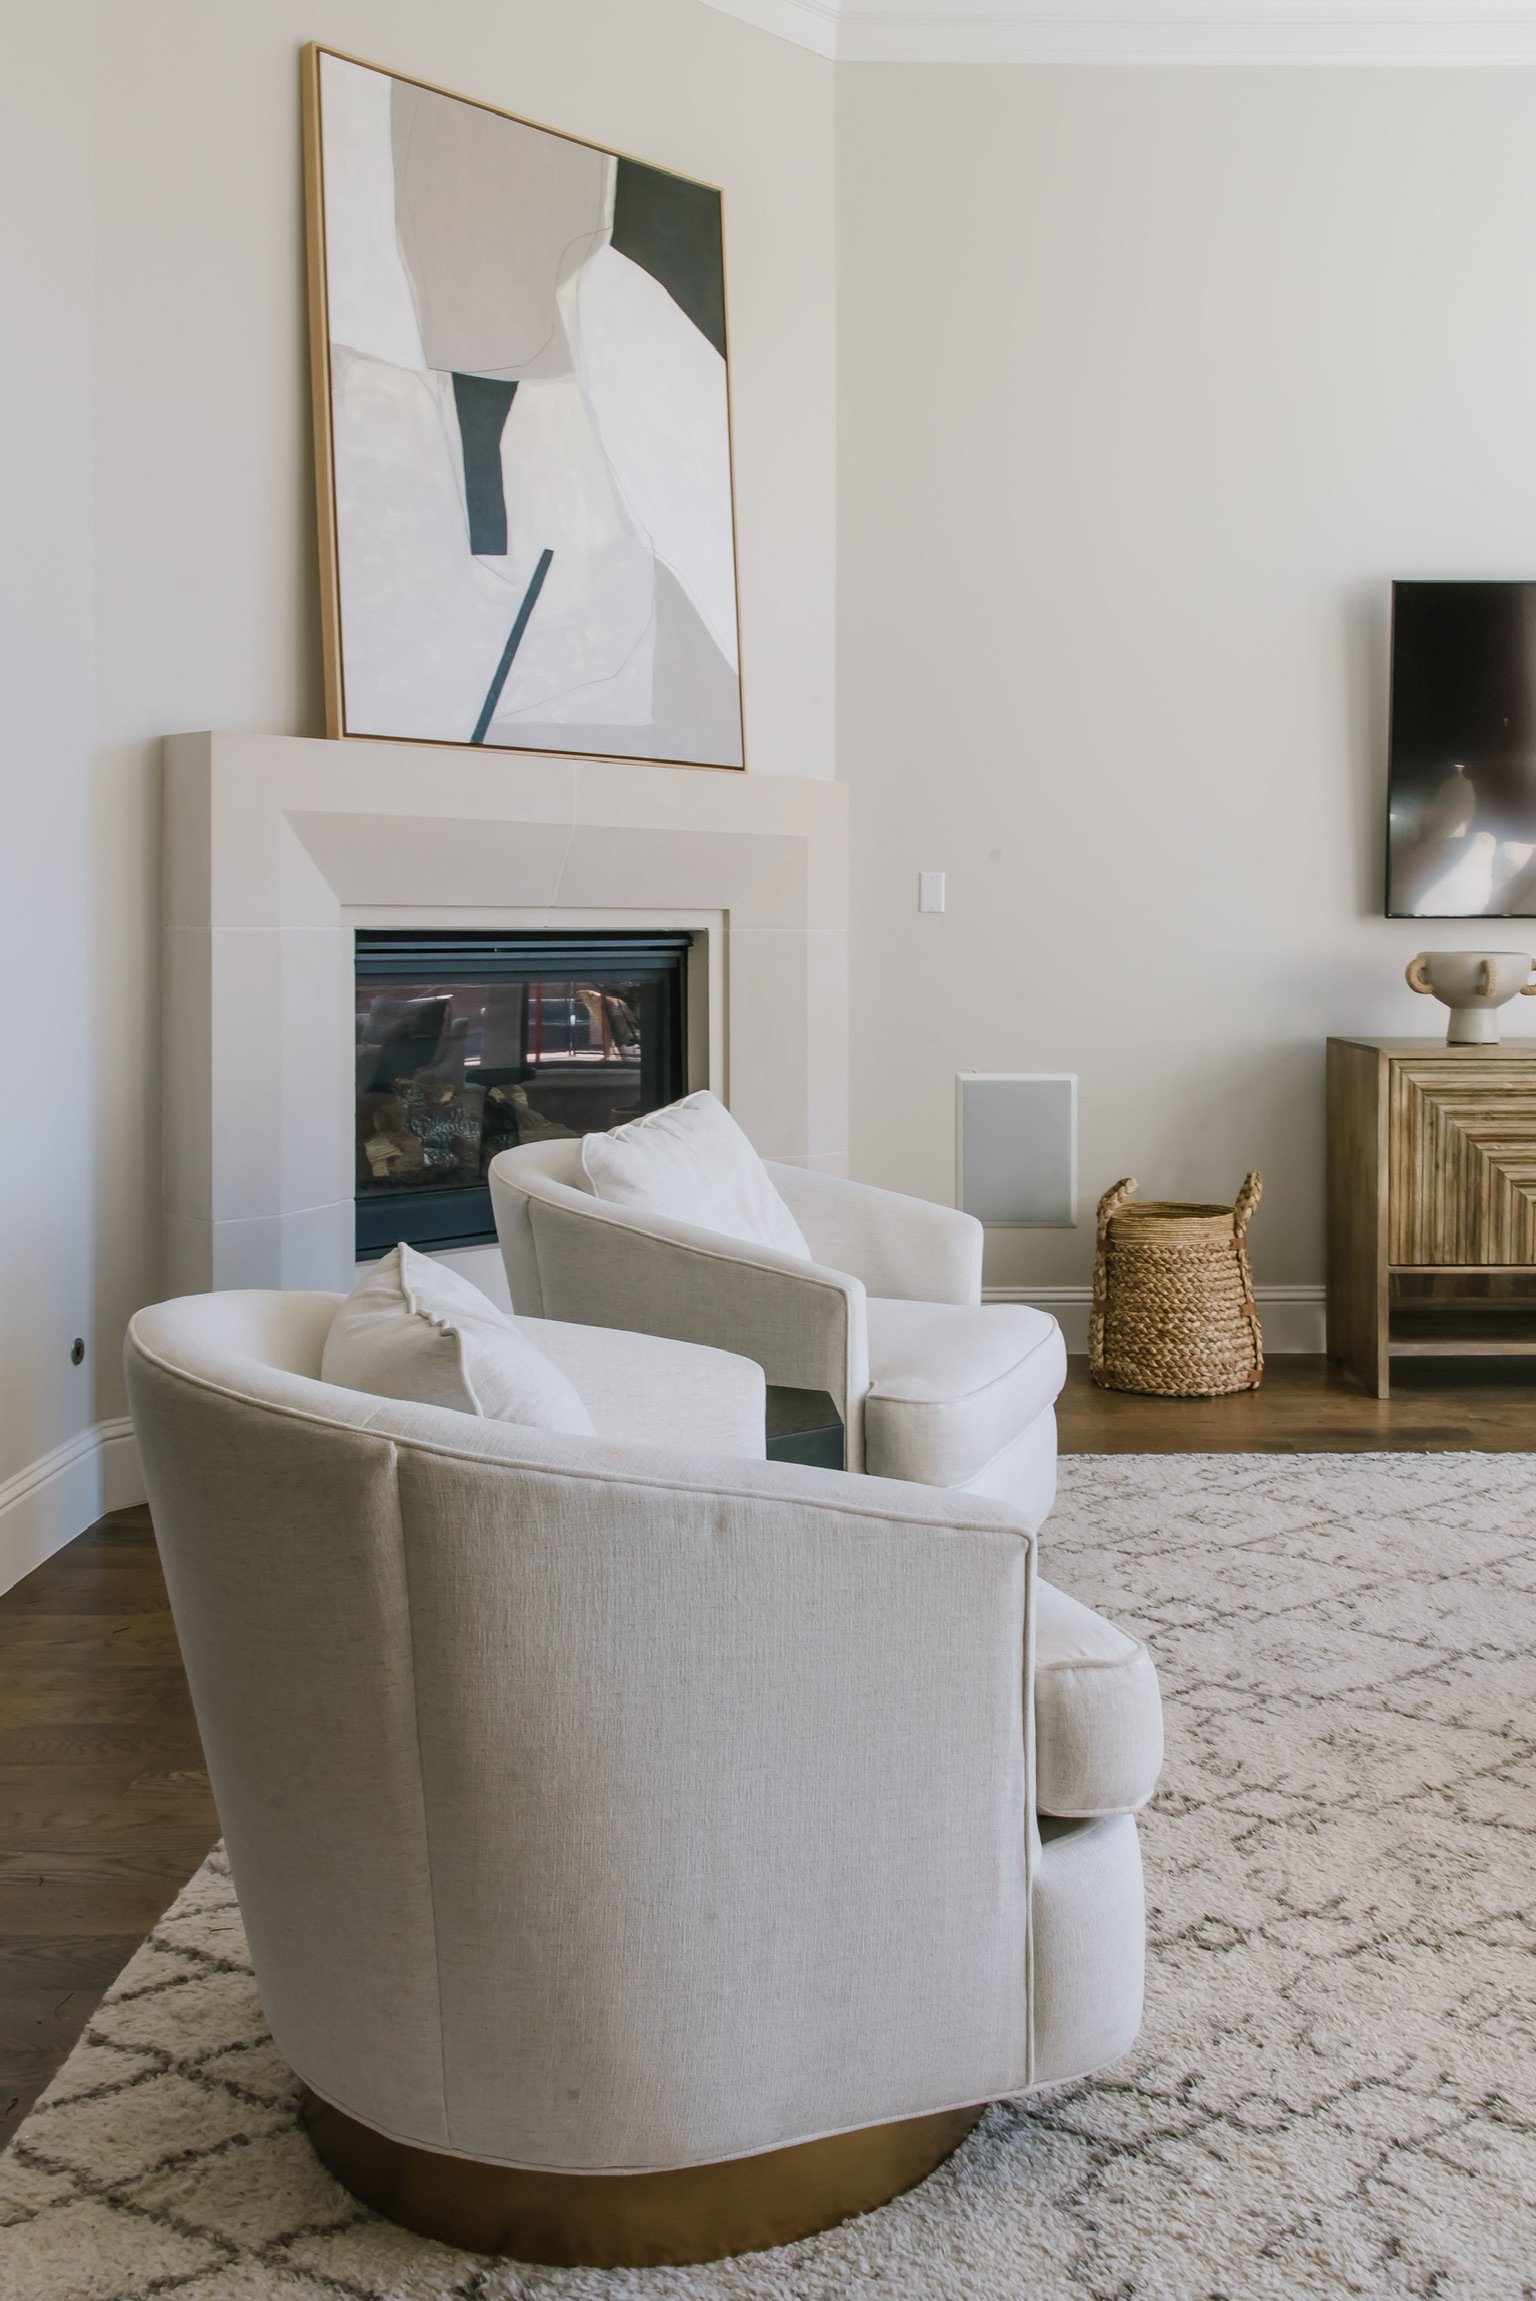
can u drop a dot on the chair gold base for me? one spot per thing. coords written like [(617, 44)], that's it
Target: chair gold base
[(633, 2220)]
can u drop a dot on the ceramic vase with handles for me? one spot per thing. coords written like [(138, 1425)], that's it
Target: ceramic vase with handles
[(1474, 985)]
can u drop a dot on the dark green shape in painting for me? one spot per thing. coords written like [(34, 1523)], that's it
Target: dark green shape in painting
[(670, 227), (483, 404)]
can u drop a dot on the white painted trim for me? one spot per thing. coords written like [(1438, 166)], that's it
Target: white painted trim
[(1292, 1317), (1453, 33), (809, 23), (63, 1492)]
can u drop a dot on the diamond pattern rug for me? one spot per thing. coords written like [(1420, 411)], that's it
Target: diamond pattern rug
[(1335, 2089)]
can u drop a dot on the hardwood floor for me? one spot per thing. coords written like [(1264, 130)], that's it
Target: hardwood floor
[(105, 1810), (1307, 1406)]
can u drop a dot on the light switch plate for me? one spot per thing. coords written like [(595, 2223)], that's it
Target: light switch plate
[(930, 890)]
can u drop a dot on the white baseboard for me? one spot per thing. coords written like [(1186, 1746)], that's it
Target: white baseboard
[(58, 1496), (1291, 1316)]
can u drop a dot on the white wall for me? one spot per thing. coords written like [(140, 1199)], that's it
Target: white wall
[(1149, 382), (203, 532), (46, 671), (50, 1445)]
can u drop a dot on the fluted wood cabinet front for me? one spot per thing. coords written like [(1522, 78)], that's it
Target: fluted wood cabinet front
[(1462, 1159), (1431, 1202)]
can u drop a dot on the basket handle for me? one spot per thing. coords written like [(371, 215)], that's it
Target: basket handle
[(1416, 978), (1247, 1199), (1114, 1198)]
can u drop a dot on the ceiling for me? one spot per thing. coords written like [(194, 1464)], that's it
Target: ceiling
[(1152, 31)]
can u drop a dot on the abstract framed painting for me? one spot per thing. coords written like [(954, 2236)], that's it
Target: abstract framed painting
[(522, 423)]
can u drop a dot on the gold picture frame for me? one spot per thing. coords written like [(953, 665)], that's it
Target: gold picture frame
[(594, 542)]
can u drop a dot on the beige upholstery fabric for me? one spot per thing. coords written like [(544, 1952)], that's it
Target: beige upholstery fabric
[(897, 1246), (1090, 1927), (951, 1386), (648, 1392), (1024, 1474), (1098, 1715), (678, 1394), (692, 1162), (637, 1808), (412, 1328), (579, 1259), (538, 1170), (569, 1255)]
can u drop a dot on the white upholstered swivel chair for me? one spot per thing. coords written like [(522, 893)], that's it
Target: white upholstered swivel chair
[(608, 1809), (888, 1319)]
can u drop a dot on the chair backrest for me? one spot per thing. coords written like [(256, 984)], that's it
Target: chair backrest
[(575, 1795), (512, 1175)]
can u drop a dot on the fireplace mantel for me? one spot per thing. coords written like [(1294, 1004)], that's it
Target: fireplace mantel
[(279, 847)]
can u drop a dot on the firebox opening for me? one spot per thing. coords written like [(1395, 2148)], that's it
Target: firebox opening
[(469, 1043)]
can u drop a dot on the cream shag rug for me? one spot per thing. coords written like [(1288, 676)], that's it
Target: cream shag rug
[(1335, 2086)]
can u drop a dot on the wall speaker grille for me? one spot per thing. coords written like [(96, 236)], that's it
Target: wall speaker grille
[(1016, 1147)]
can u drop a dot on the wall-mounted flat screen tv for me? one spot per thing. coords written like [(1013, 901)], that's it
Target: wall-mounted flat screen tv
[(1461, 836)]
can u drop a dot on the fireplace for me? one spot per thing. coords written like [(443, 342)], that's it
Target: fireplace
[(469, 1043), (282, 849)]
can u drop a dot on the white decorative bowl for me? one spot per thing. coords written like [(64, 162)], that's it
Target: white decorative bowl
[(1474, 985)]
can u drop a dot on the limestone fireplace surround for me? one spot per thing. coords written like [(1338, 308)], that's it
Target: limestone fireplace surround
[(278, 847)]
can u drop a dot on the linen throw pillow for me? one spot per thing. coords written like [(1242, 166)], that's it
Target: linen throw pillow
[(412, 1329), (692, 1162)]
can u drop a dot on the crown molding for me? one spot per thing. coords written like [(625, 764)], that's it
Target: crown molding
[(1284, 32), (809, 23)]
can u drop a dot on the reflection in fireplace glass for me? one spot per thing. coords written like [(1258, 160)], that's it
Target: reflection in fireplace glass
[(469, 1044)]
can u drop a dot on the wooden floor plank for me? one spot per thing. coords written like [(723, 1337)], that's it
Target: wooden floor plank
[(114, 1642), (99, 1893), (59, 1962), (74, 1743), (105, 1810), (1303, 1406)]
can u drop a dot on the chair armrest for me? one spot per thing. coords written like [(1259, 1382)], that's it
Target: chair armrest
[(603, 1265), (1098, 1713), (644, 1391), (901, 1247)]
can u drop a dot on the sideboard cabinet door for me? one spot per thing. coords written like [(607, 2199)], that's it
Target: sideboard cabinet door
[(1462, 1156)]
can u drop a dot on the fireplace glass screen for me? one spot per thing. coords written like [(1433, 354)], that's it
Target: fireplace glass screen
[(468, 1044)]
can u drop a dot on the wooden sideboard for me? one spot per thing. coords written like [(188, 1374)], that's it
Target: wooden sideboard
[(1431, 1202)]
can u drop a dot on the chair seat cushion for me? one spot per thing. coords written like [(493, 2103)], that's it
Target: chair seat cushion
[(643, 1391), (1098, 1717), (951, 1384)]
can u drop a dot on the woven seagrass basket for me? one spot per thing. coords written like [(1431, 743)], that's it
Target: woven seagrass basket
[(1173, 1309)]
